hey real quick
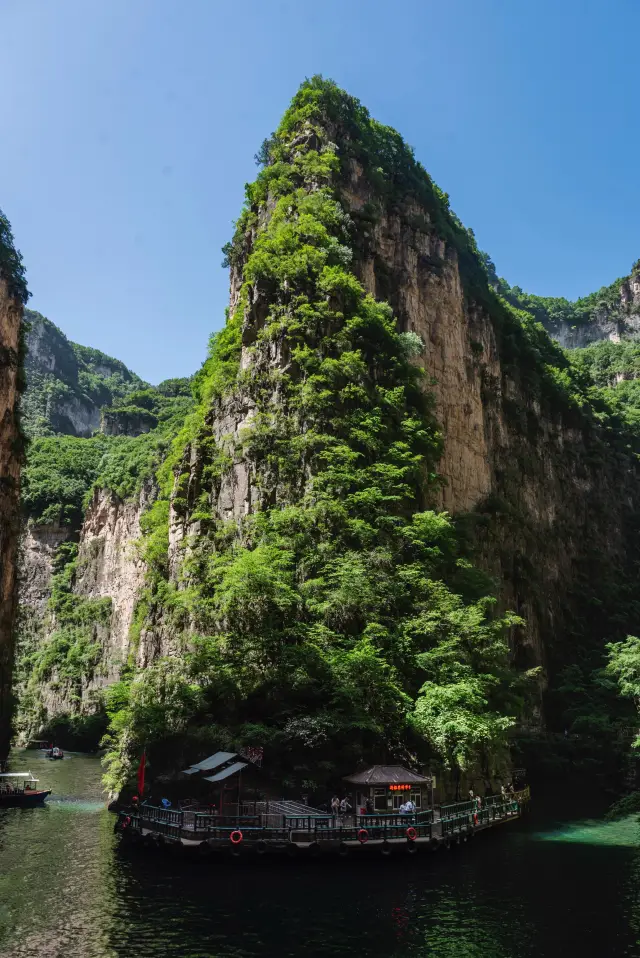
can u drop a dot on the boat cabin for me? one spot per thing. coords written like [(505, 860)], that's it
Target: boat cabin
[(388, 787), (15, 783)]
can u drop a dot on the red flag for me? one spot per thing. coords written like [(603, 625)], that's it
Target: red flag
[(141, 773)]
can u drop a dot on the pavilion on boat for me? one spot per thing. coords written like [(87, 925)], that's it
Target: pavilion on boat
[(223, 771), (389, 787)]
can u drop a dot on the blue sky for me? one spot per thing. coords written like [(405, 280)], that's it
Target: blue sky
[(129, 129)]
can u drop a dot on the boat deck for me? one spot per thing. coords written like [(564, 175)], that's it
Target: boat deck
[(315, 835)]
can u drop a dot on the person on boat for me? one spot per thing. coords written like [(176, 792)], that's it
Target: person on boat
[(335, 805), (503, 792), (410, 807), (368, 806), (345, 806), (471, 794)]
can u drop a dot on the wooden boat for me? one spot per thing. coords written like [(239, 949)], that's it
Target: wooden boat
[(20, 789), (315, 833)]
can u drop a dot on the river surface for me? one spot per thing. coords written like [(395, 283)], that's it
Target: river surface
[(538, 888)]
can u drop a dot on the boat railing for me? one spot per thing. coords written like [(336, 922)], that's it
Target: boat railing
[(377, 830), (153, 813), (372, 820), (424, 816), (457, 808), (447, 811), (456, 818), (203, 822), (462, 821), (308, 822), (455, 823)]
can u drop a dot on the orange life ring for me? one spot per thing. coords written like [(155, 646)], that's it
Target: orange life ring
[(236, 837), (363, 836), (475, 818), (411, 833)]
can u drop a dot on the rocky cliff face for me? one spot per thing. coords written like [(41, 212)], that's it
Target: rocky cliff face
[(544, 495), (68, 384), (554, 504), (110, 567), (108, 578), (10, 459), (612, 313)]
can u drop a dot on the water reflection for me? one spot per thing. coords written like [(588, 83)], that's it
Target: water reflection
[(65, 890)]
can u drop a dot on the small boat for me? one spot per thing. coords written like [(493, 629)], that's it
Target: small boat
[(55, 753), (20, 789)]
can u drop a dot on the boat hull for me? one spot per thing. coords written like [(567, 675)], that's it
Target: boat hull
[(24, 799)]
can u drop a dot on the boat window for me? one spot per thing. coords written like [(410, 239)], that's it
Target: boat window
[(416, 798), (380, 799)]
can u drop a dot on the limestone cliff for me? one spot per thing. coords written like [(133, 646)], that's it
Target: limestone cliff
[(542, 483), (612, 313), (549, 500), (68, 384), (107, 578), (551, 497), (10, 460)]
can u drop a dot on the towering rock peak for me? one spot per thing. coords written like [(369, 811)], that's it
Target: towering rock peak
[(287, 577)]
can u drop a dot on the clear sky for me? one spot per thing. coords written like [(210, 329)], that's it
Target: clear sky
[(129, 129)]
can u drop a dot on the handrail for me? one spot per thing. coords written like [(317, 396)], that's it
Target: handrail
[(522, 796), (458, 816), (446, 811)]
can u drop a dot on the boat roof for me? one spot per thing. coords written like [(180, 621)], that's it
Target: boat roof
[(226, 772), (18, 775), (387, 775), (208, 764)]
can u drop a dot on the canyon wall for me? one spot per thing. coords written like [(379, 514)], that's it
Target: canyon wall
[(107, 578), (553, 502), (544, 496), (68, 384), (10, 460)]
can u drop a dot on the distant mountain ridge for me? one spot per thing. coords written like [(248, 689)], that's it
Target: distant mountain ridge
[(68, 384)]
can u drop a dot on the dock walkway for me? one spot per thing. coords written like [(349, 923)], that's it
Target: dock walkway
[(316, 834)]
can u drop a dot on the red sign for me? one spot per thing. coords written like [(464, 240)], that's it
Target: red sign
[(399, 788)]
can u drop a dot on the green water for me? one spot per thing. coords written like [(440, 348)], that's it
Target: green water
[(531, 888)]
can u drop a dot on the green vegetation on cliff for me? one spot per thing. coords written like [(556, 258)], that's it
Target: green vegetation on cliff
[(337, 620), (68, 384), (12, 269), (316, 603), (62, 471)]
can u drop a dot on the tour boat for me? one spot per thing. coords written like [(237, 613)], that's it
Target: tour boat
[(20, 789), (55, 753)]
